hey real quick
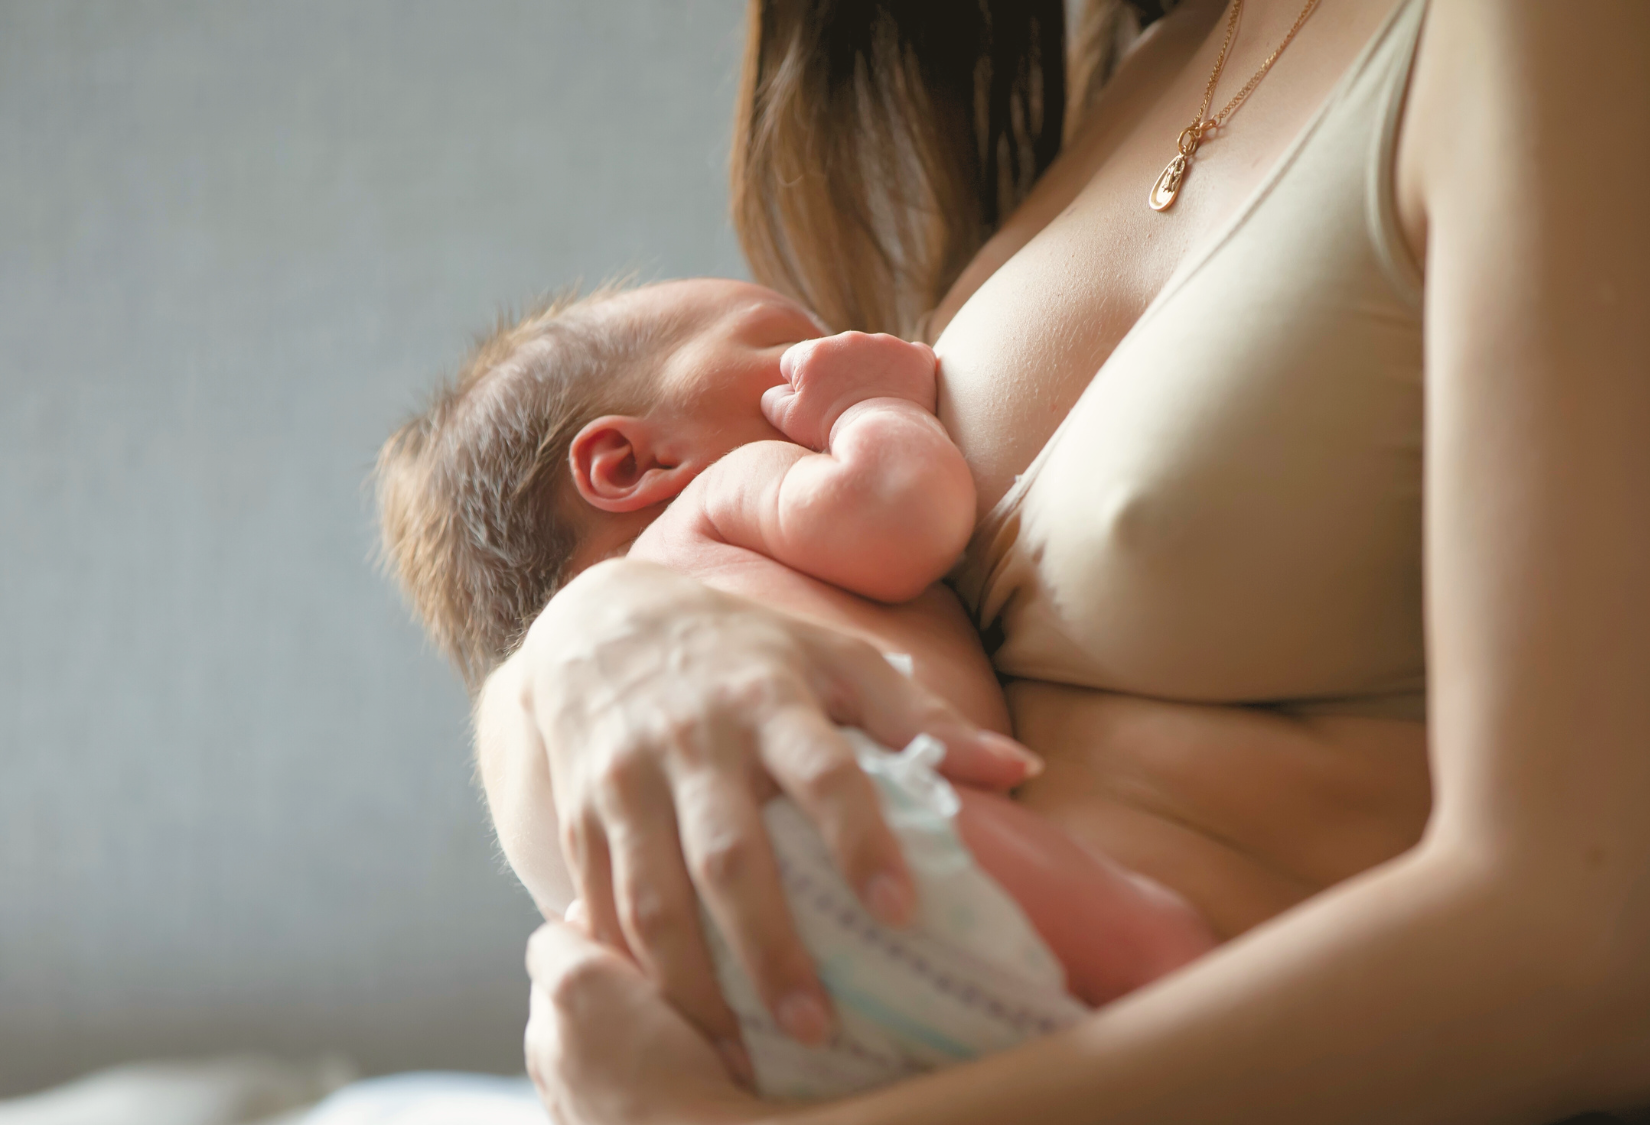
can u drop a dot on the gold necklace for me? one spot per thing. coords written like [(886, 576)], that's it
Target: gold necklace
[(1168, 184)]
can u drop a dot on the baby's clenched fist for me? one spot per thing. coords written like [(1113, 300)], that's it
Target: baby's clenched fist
[(824, 377)]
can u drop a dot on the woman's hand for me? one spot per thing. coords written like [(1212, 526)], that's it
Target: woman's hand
[(602, 1044), (658, 715)]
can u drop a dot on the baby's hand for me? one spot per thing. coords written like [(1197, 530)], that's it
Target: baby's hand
[(825, 377)]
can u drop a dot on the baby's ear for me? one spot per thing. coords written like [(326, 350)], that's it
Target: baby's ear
[(618, 465)]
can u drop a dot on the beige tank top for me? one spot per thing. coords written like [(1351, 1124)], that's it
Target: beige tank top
[(1231, 513)]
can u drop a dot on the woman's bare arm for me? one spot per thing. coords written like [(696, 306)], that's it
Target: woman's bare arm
[(1497, 971)]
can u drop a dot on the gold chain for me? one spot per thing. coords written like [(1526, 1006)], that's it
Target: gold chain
[(1220, 63), (1238, 98), (1167, 186)]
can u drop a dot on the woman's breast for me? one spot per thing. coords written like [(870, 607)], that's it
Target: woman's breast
[(1018, 355), (1226, 515), (1230, 509)]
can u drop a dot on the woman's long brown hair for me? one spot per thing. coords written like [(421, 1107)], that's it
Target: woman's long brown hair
[(879, 143)]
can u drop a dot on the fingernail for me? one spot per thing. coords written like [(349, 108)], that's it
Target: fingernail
[(1009, 748), (888, 900), (738, 1062), (803, 1018)]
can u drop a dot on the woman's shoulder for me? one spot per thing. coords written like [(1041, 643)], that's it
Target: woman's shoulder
[(1499, 86)]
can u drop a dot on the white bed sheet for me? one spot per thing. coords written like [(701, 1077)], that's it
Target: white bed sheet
[(260, 1090)]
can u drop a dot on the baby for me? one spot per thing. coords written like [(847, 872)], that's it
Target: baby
[(708, 426)]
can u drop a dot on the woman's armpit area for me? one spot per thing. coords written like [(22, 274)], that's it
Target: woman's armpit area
[(1243, 811)]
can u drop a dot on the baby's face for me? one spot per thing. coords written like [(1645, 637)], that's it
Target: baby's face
[(726, 353)]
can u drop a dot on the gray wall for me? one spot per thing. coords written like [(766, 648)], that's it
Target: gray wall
[(239, 239)]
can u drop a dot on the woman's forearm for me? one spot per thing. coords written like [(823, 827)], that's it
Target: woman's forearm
[(1425, 991)]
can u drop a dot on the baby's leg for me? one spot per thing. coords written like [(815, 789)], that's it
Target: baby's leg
[(1112, 930)]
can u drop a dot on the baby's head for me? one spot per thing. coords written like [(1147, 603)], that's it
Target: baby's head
[(563, 436)]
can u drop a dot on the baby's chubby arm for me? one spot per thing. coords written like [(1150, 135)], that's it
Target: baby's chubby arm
[(874, 497)]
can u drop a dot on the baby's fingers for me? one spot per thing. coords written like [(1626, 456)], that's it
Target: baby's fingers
[(782, 407)]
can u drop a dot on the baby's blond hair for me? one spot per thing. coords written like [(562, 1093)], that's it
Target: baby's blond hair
[(473, 514)]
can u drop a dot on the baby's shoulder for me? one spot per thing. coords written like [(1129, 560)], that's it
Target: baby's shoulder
[(685, 541), (686, 535), (735, 494)]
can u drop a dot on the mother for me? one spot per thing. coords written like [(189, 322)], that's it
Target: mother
[(1366, 447)]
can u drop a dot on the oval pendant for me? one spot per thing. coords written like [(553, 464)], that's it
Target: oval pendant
[(1168, 184)]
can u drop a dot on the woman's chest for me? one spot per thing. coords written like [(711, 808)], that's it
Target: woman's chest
[(1229, 509), (1020, 352), (1078, 264)]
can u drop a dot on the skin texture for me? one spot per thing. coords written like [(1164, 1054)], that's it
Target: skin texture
[(863, 499), (1494, 971)]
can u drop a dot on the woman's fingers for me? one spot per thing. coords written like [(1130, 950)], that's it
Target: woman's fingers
[(657, 694), (576, 984), (816, 767), (728, 853), (987, 759), (658, 909), (893, 709), (584, 844), (602, 1045)]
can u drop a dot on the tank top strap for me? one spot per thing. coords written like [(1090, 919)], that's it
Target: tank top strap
[(1393, 65)]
